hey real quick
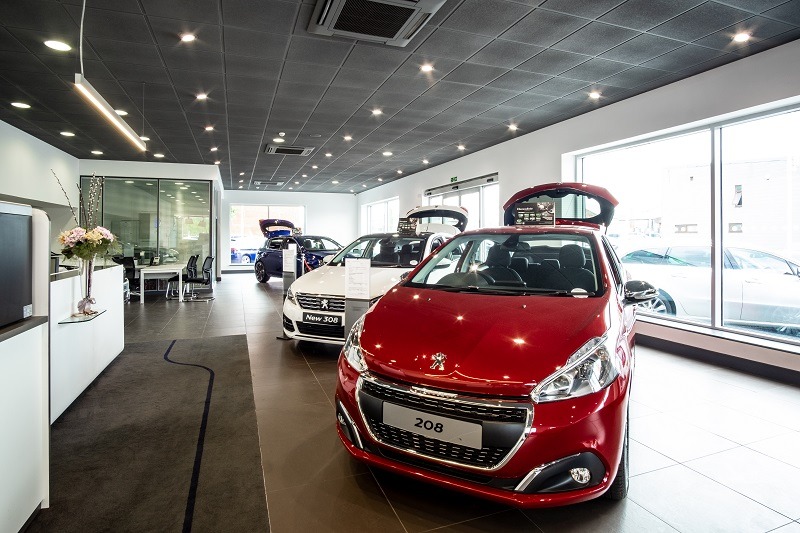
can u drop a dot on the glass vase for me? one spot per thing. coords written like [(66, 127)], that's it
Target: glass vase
[(85, 303)]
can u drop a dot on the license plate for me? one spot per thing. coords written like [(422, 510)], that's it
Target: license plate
[(316, 318), (432, 426)]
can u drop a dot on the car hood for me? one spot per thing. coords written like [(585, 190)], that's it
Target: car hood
[(330, 280), (407, 326)]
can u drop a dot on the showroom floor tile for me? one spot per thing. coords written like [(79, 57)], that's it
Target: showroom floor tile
[(712, 449)]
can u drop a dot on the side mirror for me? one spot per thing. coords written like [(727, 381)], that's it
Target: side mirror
[(637, 291), (404, 275), (327, 259)]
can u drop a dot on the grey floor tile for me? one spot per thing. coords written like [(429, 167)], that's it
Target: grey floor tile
[(690, 502), (792, 527), (783, 447), (731, 424), (644, 459), (511, 521), (757, 476), (678, 440), (638, 410), (598, 515)]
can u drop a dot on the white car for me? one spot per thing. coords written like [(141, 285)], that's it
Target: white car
[(314, 308), (761, 290)]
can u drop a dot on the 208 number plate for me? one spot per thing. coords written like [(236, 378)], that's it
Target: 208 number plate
[(433, 426)]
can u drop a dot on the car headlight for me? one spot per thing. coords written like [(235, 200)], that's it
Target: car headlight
[(352, 347), (290, 296), (590, 369)]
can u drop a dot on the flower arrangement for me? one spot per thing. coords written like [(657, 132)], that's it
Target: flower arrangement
[(87, 239)]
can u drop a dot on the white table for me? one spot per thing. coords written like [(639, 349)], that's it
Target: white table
[(158, 271)]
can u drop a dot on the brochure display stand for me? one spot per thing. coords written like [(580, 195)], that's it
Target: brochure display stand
[(289, 267), (356, 290)]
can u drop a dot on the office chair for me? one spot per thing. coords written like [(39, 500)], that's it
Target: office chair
[(204, 280), (191, 272)]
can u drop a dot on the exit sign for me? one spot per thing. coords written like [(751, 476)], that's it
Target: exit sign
[(454, 179)]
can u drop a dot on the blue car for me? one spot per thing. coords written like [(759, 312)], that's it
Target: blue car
[(311, 249)]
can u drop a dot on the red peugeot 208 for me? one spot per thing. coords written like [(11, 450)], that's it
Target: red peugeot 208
[(501, 366)]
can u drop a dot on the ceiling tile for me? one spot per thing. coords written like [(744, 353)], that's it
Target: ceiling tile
[(543, 28), (364, 79), (475, 74), (595, 38), (113, 25), (595, 69), (528, 100), (485, 17), (519, 81), (788, 12), (553, 62), (185, 59), (250, 85), (759, 27), (407, 85), (581, 8), (633, 77), (301, 73), (252, 66), (641, 48), (317, 51), (644, 14), (501, 53), (441, 66), (452, 44), (138, 73), (682, 57), (376, 58), (490, 95), (257, 15), (255, 43), (206, 11), (169, 31), (559, 87), (700, 21)]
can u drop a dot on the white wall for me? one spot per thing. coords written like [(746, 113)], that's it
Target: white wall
[(332, 215), (757, 82)]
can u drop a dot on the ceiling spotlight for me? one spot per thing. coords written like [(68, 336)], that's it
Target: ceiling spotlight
[(741, 37), (513, 127), (241, 181), (399, 171), (380, 179), (297, 182), (462, 147), (184, 188), (426, 68), (209, 128), (377, 112), (21, 105), (121, 112), (348, 138), (202, 96), (425, 161), (335, 182), (159, 156), (187, 37), (281, 134), (328, 154), (67, 134), (241, 186), (363, 184), (241, 173), (278, 140), (594, 95), (178, 183), (291, 188), (145, 138), (305, 175), (128, 181), (314, 167), (97, 152), (148, 184), (58, 45), (214, 148), (217, 162), (387, 154)]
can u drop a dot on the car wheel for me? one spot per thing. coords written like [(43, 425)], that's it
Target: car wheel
[(245, 259), (261, 272), (619, 487), (784, 315), (661, 304)]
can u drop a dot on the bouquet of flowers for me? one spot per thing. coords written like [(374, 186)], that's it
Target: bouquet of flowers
[(87, 239)]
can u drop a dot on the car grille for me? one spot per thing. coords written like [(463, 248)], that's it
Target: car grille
[(315, 303), (321, 330), (487, 457), (287, 323)]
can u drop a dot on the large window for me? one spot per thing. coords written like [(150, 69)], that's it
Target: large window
[(245, 233), (482, 204), (381, 217), (666, 223)]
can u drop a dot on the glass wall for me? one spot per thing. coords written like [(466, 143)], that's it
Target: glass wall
[(382, 217), (482, 204), (664, 226), (184, 221), (246, 237)]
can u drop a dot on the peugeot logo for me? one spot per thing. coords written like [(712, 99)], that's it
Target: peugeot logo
[(438, 361), (323, 304)]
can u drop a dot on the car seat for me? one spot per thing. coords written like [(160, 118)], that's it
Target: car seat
[(572, 261), (387, 253), (497, 264), (519, 265), (406, 254)]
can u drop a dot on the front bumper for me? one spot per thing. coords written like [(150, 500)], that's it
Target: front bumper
[(294, 327), (558, 437)]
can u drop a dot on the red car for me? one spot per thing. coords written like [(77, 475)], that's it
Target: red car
[(501, 366)]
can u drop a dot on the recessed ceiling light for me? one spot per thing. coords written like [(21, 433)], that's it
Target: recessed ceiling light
[(187, 37), (291, 188), (241, 186), (741, 37), (335, 182), (297, 182), (209, 128), (128, 181), (462, 147), (380, 179), (348, 138), (351, 190), (214, 148), (399, 171), (121, 112), (387, 154), (278, 140), (241, 181), (377, 112), (594, 95), (178, 183), (426, 68), (97, 152), (21, 105), (425, 161), (58, 45), (512, 127), (158, 155), (184, 188), (162, 190), (148, 183), (363, 184), (202, 96), (314, 167), (217, 162), (328, 154), (281, 134), (305, 175), (241, 173), (145, 138), (67, 134)]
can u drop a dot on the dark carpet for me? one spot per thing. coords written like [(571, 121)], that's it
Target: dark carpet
[(165, 439)]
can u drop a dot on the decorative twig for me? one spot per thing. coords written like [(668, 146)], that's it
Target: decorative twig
[(72, 209)]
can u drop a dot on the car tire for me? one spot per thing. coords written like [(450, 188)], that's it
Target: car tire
[(662, 304), (245, 259), (261, 272), (618, 489)]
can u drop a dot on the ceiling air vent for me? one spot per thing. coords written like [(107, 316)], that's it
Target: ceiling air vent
[(279, 149), (392, 22)]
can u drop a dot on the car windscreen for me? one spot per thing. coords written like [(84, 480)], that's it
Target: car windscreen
[(319, 244), (540, 263), (384, 251)]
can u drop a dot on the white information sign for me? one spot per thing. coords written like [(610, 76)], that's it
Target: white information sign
[(290, 258), (356, 274)]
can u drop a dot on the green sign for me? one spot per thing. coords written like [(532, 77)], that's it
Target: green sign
[(454, 179)]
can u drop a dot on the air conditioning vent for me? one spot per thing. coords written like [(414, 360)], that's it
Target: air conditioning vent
[(265, 183), (392, 22), (279, 149)]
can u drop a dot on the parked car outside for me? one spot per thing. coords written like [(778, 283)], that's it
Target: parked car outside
[(311, 249), (315, 304), (245, 249), (501, 366), (760, 289)]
